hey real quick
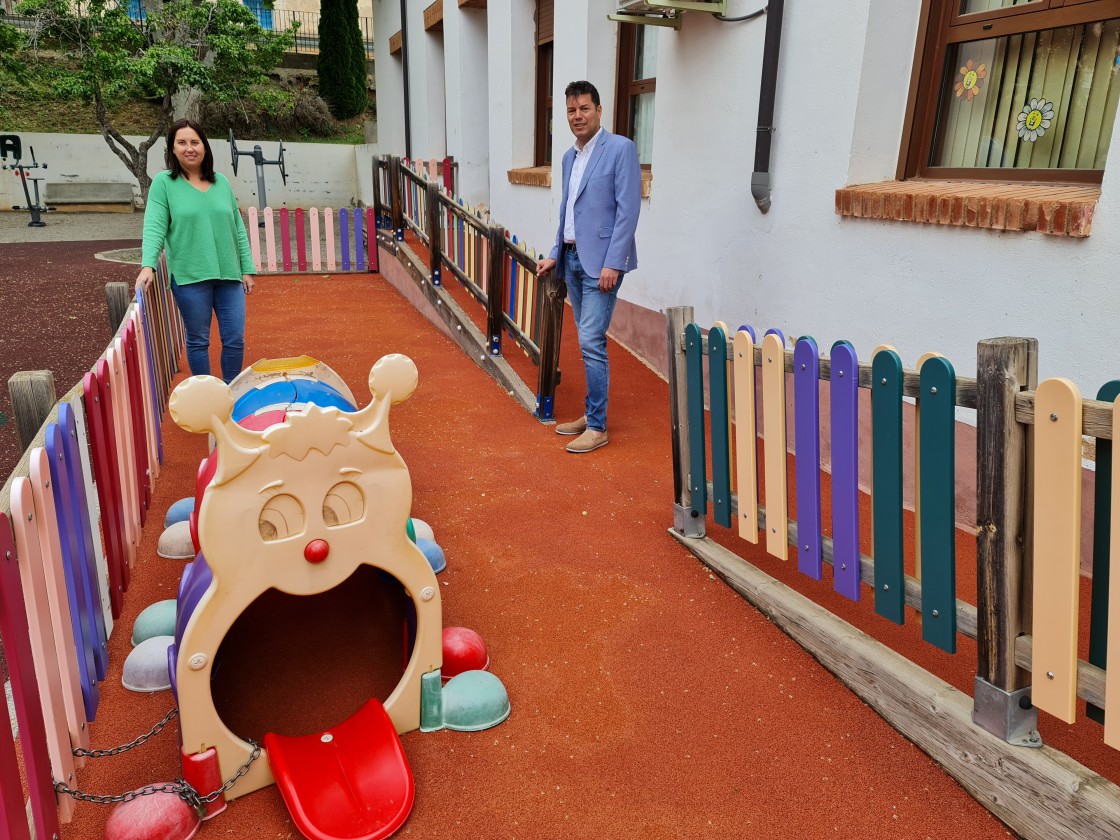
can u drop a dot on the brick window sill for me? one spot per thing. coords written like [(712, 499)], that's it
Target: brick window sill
[(541, 176), (1060, 210), (532, 176)]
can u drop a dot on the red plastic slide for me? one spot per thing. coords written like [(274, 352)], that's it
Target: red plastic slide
[(351, 782)]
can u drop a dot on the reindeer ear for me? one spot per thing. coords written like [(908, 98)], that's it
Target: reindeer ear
[(394, 377), (201, 404)]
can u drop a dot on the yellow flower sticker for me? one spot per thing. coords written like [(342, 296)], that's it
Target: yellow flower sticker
[(969, 84), (1034, 119)]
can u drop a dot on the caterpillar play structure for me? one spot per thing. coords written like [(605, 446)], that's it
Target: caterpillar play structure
[(307, 588)]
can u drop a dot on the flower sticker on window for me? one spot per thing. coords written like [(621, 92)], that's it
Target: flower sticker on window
[(969, 85), (1034, 119)]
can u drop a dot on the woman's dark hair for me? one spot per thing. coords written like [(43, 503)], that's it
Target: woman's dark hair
[(578, 89), (173, 162)]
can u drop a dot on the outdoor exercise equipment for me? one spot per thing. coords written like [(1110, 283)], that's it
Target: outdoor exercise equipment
[(302, 519), (258, 158), (11, 144)]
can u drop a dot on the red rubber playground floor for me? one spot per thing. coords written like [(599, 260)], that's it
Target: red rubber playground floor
[(648, 699)]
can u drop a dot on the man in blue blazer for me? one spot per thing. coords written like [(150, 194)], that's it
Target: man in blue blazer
[(602, 191)]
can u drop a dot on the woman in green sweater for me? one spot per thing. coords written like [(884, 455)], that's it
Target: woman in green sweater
[(193, 216)]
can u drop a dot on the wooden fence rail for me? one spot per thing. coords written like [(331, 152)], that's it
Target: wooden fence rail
[(70, 520), (1028, 513)]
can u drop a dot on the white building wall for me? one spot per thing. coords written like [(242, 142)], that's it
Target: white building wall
[(390, 78), (468, 98), (511, 67), (426, 83), (843, 82)]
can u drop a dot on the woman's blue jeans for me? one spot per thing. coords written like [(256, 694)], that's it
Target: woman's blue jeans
[(197, 302), (592, 310)]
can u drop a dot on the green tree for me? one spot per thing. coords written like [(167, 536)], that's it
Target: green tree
[(342, 59), (216, 47)]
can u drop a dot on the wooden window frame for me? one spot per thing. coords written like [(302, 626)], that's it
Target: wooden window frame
[(545, 67), (942, 26), (626, 86)]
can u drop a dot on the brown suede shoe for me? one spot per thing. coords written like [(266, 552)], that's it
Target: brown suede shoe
[(575, 427), (589, 441)]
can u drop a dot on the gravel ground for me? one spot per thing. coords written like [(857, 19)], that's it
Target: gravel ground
[(70, 227)]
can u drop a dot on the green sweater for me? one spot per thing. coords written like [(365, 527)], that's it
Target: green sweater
[(202, 232)]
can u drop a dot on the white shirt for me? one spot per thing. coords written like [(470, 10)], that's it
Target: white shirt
[(579, 166)]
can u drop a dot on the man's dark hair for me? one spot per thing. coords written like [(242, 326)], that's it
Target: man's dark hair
[(577, 89), (173, 162)]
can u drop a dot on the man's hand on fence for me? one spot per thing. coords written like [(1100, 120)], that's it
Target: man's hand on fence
[(546, 264)]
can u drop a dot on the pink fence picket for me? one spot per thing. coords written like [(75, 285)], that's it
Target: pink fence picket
[(25, 693)]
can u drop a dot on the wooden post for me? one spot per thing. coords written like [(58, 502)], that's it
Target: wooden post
[(118, 296), (1004, 367), (676, 318), (33, 396), (496, 293), (396, 219), (435, 231), (553, 291)]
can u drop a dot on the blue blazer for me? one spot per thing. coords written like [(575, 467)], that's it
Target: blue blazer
[(606, 206)]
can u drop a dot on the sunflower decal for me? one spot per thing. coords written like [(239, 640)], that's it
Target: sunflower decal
[(1034, 119), (969, 84)]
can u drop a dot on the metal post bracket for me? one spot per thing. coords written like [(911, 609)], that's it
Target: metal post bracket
[(1009, 715)]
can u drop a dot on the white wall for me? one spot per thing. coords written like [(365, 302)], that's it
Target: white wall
[(319, 174), (843, 82), (468, 98), (390, 77)]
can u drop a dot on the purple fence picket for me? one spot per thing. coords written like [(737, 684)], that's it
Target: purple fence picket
[(845, 470), (807, 441), (75, 483), (85, 635), (344, 236), (29, 712)]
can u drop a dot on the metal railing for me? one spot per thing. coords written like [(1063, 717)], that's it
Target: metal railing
[(275, 20), (307, 36)]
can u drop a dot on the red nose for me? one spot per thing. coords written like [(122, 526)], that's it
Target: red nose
[(316, 551)]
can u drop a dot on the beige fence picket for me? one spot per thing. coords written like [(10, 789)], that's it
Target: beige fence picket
[(774, 444), (1057, 546)]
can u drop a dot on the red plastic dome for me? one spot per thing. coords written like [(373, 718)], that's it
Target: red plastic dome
[(463, 650)]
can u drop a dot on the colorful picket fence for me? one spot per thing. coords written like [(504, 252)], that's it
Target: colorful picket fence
[(70, 522), (312, 240), (740, 365), (717, 376), (486, 259)]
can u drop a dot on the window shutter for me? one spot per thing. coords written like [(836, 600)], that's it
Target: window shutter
[(544, 21)]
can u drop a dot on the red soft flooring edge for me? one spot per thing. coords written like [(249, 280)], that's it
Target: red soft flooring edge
[(649, 700)]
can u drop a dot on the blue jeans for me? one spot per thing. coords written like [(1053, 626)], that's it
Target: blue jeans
[(592, 310), (197, 302)]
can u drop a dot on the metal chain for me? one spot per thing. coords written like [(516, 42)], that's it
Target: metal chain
[(170, 716), (180, 787)]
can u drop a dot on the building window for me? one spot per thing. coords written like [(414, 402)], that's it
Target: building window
[(262, 12), (1022, 90), (542, 154), (637, 83)]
